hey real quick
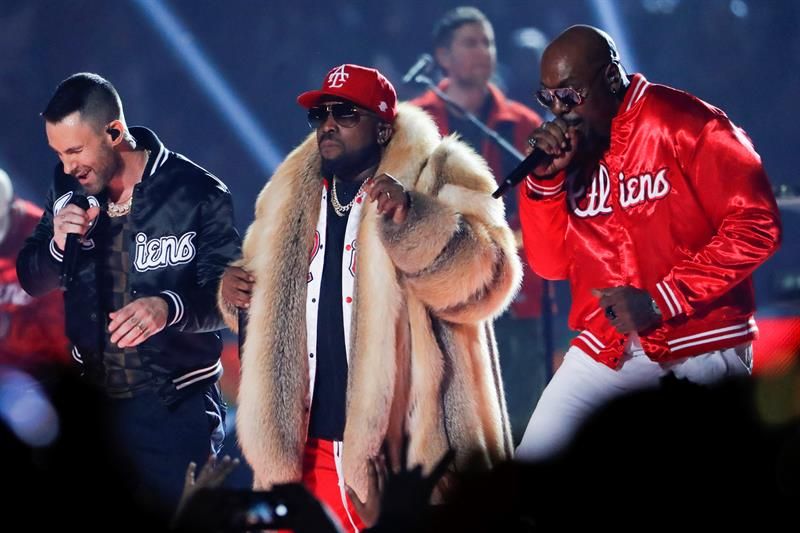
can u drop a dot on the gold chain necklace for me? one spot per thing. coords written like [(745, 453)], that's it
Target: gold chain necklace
[(121, 209), (340, 209)]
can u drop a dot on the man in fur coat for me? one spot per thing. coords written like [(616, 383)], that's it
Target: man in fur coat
[(372, 271)]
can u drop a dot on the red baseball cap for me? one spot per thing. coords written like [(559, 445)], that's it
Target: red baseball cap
[(365, 87)]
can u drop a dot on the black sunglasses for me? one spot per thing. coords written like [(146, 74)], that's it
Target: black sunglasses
[(345, 115)]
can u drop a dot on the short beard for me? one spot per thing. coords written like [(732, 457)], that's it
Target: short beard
[(115, 162), (350, 165)]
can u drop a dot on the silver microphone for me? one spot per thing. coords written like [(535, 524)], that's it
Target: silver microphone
[(422, 65)]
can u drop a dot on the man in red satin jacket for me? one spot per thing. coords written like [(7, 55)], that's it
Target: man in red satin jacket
[(656, 208)]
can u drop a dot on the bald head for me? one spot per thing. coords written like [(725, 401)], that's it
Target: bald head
[(580, 49)]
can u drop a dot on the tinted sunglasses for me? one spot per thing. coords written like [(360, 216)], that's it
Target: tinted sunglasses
[(566, 95), (345, 115)]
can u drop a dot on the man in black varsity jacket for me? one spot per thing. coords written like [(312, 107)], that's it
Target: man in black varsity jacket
[(141, 304)]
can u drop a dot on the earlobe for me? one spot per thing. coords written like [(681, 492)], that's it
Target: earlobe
[(384, 134), (614, 80)]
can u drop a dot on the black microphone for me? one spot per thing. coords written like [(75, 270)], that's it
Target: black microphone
[(534, 159), (422, 65), (73, 244)]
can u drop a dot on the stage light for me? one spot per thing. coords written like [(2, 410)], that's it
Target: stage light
[(609, 20), (257, 141)]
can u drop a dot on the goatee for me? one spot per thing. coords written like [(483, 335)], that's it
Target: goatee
[(350, 165)]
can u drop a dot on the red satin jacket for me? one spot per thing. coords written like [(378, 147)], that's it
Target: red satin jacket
[(679, 205)]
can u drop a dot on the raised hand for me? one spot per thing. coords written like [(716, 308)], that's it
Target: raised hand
[(400, 494)]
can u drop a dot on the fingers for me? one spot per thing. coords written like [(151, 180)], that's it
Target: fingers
[(137, 321), (616, 304), (393, 207), (381, 191), (228, 466), (380, 185), (558, 140), (72, 222), (384, 199), (190, 471), (120, 318), (390, 195), (379, 182), (552, 137), (74, 213), (237, 287), (216, 470), (70, 219), (92, 213), (211, 462), (400, 212), (240, 275), (135, 336), (609, 296)]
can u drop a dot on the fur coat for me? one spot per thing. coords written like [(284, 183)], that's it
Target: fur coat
[(423, 357)]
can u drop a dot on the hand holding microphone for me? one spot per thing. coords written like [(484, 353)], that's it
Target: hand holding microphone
[(553, 145), (69, 225), (558, 140)]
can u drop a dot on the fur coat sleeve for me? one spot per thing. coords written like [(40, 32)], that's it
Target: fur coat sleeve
[(455, 249)]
